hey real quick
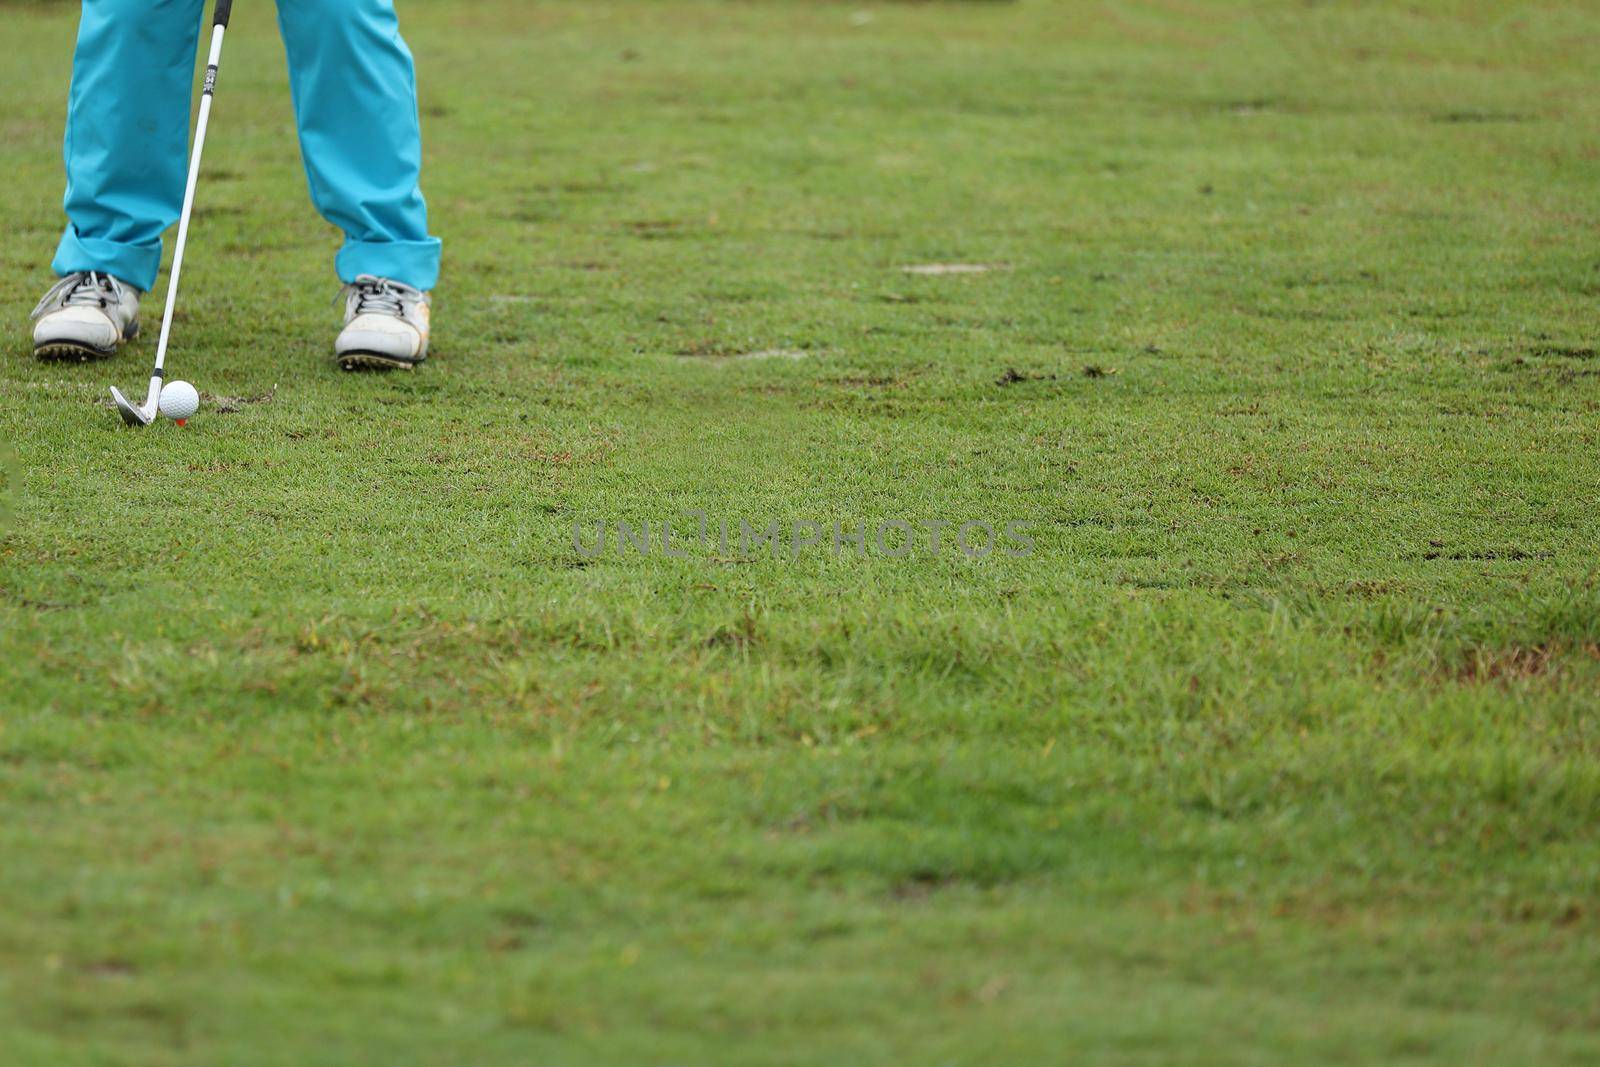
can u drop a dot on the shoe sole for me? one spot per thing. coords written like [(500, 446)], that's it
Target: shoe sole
[(78, 352), (71, 351), (375, 361)]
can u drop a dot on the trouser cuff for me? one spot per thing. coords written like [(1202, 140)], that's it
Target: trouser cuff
[(136, 265), (413, 263)]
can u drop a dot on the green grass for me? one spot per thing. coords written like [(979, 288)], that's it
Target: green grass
[(322, 744)]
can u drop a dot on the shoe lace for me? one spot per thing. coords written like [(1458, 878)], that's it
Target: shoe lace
[(377, 296), (84, 288)]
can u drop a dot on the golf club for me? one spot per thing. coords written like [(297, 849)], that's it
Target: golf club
[(144, 416)]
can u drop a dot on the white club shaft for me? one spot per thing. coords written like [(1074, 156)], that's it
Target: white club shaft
[(183, 220)]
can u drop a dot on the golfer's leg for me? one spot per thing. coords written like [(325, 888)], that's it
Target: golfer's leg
[(127, 146), (355, 98)]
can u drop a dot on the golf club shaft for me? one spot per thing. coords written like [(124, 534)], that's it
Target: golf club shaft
[(219, 27)]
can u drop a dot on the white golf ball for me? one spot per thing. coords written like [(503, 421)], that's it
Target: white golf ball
[(179, 400)]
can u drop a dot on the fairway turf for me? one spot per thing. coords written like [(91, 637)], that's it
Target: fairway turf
[(323, 744)]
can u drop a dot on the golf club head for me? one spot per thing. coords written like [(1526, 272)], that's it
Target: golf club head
[(131, 415)]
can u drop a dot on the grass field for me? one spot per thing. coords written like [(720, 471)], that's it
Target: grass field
[(322, 742)]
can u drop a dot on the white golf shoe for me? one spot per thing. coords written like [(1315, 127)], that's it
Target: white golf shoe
[(385, 325), (85, 316)]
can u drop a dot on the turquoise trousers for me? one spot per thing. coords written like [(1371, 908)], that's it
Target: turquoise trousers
[(355, 102)]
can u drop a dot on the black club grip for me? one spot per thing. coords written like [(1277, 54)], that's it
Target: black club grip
[(224, 9)]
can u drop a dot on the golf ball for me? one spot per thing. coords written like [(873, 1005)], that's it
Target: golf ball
[(179, 400)]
